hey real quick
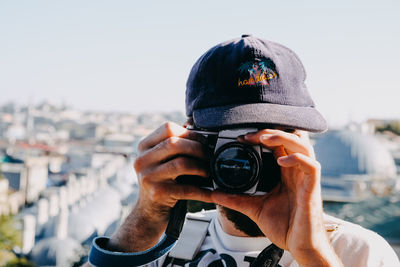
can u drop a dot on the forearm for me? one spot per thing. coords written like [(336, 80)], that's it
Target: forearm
[(139, 232), (328, 259)]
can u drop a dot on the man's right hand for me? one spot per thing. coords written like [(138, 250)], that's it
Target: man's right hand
[(168, 152)]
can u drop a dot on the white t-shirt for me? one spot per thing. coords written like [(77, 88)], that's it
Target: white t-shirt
[(355, 246)]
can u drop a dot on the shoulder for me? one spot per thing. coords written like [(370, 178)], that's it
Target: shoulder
[(357, 246)]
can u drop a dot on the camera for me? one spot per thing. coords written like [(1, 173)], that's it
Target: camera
[(236, 167)]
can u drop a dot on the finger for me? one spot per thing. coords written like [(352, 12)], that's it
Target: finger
[(273, 138), (171, 147), (242, 203), (169, 192), (176, 167), (166, 130), (279, 152), (190, 192), (306, 164)]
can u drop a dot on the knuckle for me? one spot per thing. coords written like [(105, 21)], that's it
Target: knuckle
[(170, 143), (137, 164), (145, 180), (173, 167), (304, 148), (141, 146), (308, 147), (156, 191), (317, 166), (185, 191), (178, 166), (296, 156), (169, 128), (182, 191), (182, 163), (275, 138), (310, 151)]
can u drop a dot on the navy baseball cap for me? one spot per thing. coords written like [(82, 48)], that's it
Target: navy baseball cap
[(249, 80)]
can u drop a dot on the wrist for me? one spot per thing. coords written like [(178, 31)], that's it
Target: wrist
[(139, 232), (319, 257), (150, 210)]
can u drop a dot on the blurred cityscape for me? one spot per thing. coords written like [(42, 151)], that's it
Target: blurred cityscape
[(66, 176)]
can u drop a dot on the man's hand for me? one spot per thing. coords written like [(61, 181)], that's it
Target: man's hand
[(168, 152), (291, 215)]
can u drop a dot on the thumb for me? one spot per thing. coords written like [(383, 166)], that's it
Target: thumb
[(242, 203)]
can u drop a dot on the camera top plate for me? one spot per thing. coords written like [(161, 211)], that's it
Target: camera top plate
[(234, 133)]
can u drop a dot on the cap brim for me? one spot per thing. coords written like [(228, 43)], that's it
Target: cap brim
[(302, 118)]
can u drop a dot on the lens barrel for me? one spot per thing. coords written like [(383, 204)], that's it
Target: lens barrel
[(235, 167)]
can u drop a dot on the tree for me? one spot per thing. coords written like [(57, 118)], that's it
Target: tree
[(22, 262), (10, 237)]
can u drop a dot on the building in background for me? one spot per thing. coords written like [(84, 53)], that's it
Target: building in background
[(355, 165)]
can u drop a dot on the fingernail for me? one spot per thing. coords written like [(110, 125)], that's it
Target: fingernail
[(282, 159), (241, 137), (249, 135)]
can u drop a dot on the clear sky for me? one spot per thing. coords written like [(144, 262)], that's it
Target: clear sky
[(135, 55)]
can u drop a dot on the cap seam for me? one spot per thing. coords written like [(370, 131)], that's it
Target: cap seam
[(256, 53)]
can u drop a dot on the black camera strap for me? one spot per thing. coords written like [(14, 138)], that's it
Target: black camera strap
[(176, 219), (269, 257)]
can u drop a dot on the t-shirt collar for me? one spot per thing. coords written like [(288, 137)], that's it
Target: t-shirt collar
[(237, 243)]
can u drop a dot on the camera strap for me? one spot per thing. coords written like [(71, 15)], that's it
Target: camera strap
[(269, 257), (194, 232), (100, 257)]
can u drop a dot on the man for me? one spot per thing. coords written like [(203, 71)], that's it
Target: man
[(223, 92)]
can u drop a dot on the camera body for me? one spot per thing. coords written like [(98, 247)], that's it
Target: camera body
[(236, 167)]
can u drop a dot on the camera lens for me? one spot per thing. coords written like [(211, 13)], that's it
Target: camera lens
[(235, 167)]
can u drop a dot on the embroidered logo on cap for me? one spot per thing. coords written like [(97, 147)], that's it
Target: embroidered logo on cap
[(259, 71)]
